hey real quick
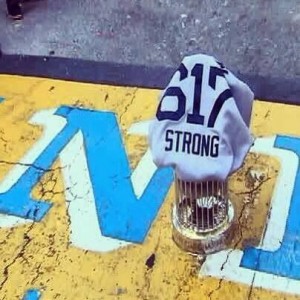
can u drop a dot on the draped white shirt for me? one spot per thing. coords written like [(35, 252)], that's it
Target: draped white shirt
[(201, 125)]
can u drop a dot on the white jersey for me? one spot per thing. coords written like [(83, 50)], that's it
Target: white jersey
[(201, 124)]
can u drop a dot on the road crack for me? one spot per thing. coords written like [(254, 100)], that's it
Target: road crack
[(20, 255), (249, 200)]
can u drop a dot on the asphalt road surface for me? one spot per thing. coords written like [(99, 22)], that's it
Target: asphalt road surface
[(251, 37)]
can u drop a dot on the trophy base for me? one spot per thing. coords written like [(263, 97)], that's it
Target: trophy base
[(203, 243)]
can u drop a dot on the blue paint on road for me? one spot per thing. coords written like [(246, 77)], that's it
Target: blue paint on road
[(286, 260), (121, 215), (32, 294), (1, 99), (17, 201)]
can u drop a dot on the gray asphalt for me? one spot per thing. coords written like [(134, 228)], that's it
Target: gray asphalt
[(252, 37)]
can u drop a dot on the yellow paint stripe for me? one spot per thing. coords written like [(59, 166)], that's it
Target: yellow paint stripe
[(39, 255)]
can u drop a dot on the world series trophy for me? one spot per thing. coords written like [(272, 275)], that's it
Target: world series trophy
[(201, 130)]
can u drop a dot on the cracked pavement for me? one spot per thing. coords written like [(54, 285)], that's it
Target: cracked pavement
[(39, 254)]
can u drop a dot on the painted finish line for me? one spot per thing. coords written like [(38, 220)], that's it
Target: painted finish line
[(102, 164), (70, 151)]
